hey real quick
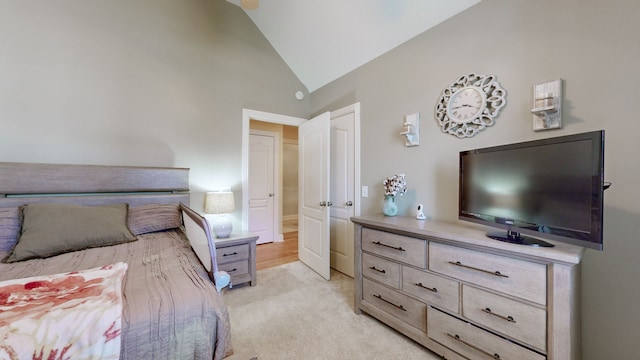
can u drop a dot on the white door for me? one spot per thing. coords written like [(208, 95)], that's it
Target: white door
[(343, 180), (261, 185), (313, 201)]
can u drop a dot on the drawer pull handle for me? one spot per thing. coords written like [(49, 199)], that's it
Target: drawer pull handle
[(496, 273), (426, 287), (233, 253), (232, 270), (378, 270), (457, 338), (390, 303), (399, 248), (508, 318)]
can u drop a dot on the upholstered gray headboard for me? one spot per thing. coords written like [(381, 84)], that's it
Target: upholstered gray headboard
[(28, 183)]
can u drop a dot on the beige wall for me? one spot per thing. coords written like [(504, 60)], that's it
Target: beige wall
[(594, 46), (290, 172), (145, 82)]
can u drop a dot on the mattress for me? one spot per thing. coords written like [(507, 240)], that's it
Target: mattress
[(171, 308)]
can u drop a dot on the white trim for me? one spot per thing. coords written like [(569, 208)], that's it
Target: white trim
[(289, 217)]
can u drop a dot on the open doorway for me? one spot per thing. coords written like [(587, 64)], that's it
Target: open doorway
[(274, 194), (344, 201), (284, 250)]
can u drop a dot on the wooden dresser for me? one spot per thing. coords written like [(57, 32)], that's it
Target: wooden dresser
[(465, 296)]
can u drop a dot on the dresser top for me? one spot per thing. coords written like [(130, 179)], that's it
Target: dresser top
[(470, 237)]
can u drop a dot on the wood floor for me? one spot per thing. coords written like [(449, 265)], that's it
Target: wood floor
[(277, 253)]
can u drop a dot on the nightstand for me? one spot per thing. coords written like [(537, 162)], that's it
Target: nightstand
[(237, 256)]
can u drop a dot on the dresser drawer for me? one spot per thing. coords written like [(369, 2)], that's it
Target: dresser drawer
[(232, 253), (398, 305), (236, 268), (408, 250), (382, 270), (519, 278), (512, 318), (471, 341), (431, 288)]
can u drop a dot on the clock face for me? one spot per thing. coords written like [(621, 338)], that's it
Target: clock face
[(470, 104), (466, 104)]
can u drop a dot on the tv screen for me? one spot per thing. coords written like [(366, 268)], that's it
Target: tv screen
[(550, 189)]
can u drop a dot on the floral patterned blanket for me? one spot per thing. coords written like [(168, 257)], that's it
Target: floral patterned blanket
[(76, 315)]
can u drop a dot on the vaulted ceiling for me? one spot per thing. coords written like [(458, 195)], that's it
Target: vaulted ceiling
[(322, 40)]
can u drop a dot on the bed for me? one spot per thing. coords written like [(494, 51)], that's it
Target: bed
[(170, 307)]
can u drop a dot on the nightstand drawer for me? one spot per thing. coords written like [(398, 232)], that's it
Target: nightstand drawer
[(520, 321), (408, 250), (400, 306), (235, 269), (431, 288), (471, 341), (523, 279), (384, 271), (232, 253)]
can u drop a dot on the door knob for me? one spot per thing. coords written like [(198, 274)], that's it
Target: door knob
[(349, 203), (329, 203), (323, 203), (271, 194)]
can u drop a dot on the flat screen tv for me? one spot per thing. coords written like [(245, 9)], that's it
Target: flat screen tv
[(551, 189)]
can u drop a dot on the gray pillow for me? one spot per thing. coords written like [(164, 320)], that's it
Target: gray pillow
[(153, 217), (10, 220), (53, 229)]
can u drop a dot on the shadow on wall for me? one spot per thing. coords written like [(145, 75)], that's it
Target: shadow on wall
[(446, 182), (118, 150), (607, 303), (340, 102)]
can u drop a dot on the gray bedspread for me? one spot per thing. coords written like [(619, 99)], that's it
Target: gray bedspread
[(171, 308)]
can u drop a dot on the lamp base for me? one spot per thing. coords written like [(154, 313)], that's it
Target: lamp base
[(222, 227)]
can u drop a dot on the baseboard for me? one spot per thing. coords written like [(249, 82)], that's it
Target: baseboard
[(289, 217)]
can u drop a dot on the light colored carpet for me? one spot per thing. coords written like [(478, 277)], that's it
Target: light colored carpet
[(293, 313)]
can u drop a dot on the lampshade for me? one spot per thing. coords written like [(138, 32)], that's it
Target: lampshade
[(219, 202)]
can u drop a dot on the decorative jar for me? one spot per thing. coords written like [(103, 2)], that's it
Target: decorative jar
[(390, 208)]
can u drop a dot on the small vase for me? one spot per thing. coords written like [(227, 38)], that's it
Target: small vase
[(389, 208)]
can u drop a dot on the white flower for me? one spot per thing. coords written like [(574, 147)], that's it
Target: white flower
[(395, 185)]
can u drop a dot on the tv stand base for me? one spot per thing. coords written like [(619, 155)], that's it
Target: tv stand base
[(513, 237)]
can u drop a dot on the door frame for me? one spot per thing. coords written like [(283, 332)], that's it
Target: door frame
[(247, 116)]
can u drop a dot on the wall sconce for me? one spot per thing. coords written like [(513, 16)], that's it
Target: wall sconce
[(222, 203), (411, 130), (547, 105)]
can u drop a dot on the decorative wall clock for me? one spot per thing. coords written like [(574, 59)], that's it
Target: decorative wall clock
[(470, 104)]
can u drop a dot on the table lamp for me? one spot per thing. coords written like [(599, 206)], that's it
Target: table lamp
[(221, 203)]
